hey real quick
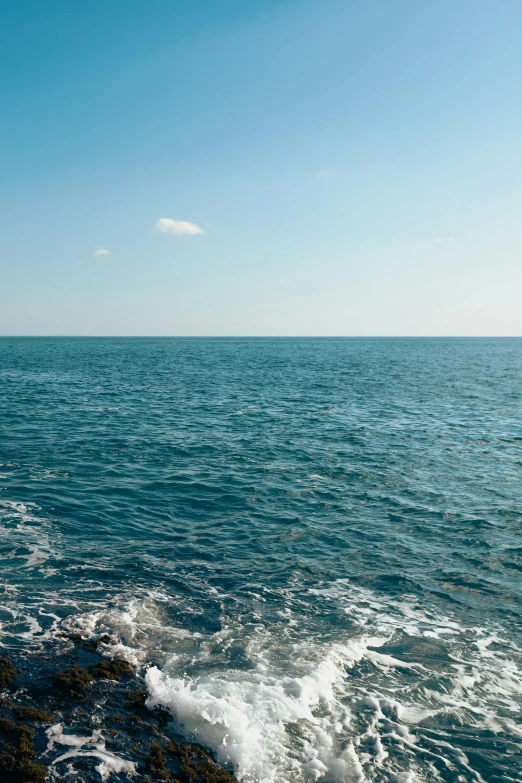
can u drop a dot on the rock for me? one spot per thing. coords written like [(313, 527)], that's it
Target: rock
[(74, 680), (32, 714), (112, 670), (7, 672)]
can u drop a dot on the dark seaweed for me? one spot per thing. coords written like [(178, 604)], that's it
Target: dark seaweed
[(112, 670), (17, 756), (74, 680), (8, 672)]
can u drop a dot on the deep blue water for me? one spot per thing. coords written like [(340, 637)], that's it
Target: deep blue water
[(313, 547)]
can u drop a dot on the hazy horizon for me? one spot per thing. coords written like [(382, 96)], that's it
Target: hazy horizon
[(260, 337)]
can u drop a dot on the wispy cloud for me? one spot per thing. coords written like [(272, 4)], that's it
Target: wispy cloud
[(440, 240), (102, 251), (327, 173), (177, 227)]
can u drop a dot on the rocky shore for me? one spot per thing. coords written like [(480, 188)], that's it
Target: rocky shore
[(68, 714)]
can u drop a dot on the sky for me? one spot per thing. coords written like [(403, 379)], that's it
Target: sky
[(261, 167)]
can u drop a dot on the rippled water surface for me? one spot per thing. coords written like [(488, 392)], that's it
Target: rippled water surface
[(311, 548)]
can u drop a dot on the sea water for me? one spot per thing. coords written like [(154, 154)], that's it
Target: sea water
[(310, 548)]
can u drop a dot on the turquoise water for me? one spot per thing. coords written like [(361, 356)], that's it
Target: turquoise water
[(311, 548)]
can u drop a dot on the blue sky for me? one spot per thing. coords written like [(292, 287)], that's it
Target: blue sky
[(353, 168)]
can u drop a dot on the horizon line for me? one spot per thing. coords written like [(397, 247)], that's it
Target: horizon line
[(262, 336)]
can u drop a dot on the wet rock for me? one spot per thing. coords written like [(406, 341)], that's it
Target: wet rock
[(87, 644), (8, 672), (112, 670), (184, 763), (32, 714), (17, 756), (86, 699), (73, 680), (156, 762), (195, 764), (136, 701), (18, 769), (73, 637)]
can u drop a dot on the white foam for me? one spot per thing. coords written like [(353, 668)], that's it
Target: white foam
[(245, 717), (109, 762), (298, 715), (21, 526), (56, 735), (270, 727), (134, 629)]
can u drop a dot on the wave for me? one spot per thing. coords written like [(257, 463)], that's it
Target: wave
[(24, 536), (405, 695)]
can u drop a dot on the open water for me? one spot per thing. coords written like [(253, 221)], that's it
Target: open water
[(311, 548)]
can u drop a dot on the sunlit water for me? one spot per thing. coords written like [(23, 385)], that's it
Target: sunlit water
[(311, 548)]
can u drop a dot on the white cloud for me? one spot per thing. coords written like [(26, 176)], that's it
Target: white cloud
[(102, 251), (327, 173), (177, 227), (444, 239)]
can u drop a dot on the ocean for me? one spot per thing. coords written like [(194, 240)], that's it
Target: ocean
[(310, 549)]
